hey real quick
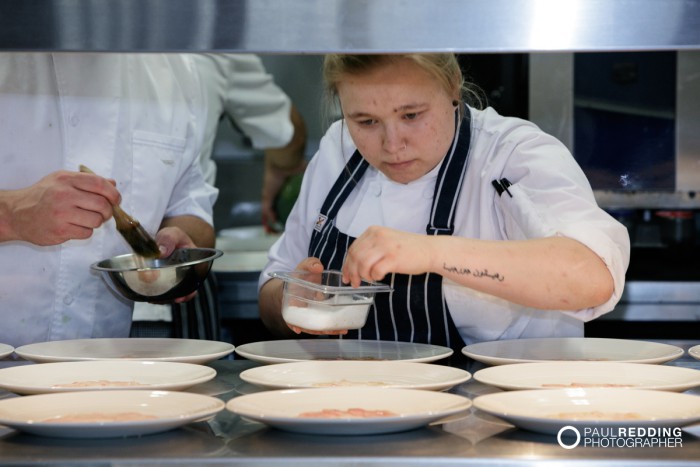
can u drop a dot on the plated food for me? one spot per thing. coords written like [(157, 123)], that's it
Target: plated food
[(389, 374), (106, 414), (6, 350), (285, 351), (103, 375), (571, 349), (142, 348), (348, 411), (548, 411), (551, 375)]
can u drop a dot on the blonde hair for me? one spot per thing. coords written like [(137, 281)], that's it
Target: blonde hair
[(443, 67)]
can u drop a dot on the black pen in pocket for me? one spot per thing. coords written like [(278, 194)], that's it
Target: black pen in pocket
[(501, 186)]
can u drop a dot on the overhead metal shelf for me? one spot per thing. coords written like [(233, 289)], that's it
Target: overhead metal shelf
[(322, 26)]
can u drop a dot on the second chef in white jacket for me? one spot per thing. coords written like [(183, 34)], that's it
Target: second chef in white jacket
[(135, 119)]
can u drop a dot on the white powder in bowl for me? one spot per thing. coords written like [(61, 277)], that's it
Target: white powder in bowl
[(327, 318)]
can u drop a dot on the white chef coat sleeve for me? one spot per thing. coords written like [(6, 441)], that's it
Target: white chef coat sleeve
[(192, 195), (256, 104), (552, 196)]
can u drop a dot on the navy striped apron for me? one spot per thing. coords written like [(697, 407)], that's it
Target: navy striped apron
[(416, 309)]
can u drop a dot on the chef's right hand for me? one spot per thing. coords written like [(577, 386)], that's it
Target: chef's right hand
[(61, 206), (314, 265)]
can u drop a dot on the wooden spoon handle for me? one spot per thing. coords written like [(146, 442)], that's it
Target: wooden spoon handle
[(140, 240)]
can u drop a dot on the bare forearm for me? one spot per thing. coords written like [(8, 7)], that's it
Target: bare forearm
[(7, 232), (62, 206), (291, 156), (555, 273)]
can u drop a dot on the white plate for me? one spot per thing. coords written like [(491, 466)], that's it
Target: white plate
[(285, 351), (41, 414), (549, 410), (316, 374), (5, 350), (694, 352), (142, 348), (693, 430), (571, 348), (550, 375), (412, 408), (102, 375)]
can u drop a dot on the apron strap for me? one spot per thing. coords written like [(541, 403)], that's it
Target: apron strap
[(343, 186), (450, 179)]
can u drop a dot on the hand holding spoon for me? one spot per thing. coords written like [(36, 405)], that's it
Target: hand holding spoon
[(133, 232)]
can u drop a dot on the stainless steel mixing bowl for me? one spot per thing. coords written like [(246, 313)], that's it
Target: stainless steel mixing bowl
[(161, 279)]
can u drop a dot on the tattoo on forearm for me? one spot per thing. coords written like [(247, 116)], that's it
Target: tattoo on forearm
[(473, 272)]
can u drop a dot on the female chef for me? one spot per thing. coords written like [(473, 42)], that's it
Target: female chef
[(485, 227)]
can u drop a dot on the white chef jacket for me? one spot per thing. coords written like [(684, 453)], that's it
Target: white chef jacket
[(551, 196), (237, 87), (134, 118)]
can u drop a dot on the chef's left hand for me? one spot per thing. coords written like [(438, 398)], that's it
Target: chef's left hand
[(169, 239), (381, 250), (313, 265)]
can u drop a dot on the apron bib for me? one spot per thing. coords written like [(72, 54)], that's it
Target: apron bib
[(416, 309)]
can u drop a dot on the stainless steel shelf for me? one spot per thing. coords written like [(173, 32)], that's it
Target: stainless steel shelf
[(321, 26)]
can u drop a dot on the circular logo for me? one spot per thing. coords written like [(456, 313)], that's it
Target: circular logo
[(562, 443)]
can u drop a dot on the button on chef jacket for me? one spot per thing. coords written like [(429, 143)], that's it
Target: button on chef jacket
[(127, 118), (551, 196)]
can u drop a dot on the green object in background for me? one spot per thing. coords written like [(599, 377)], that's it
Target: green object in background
[(287, 197)]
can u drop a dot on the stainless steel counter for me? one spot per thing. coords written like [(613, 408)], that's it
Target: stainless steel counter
[(478, 439)]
